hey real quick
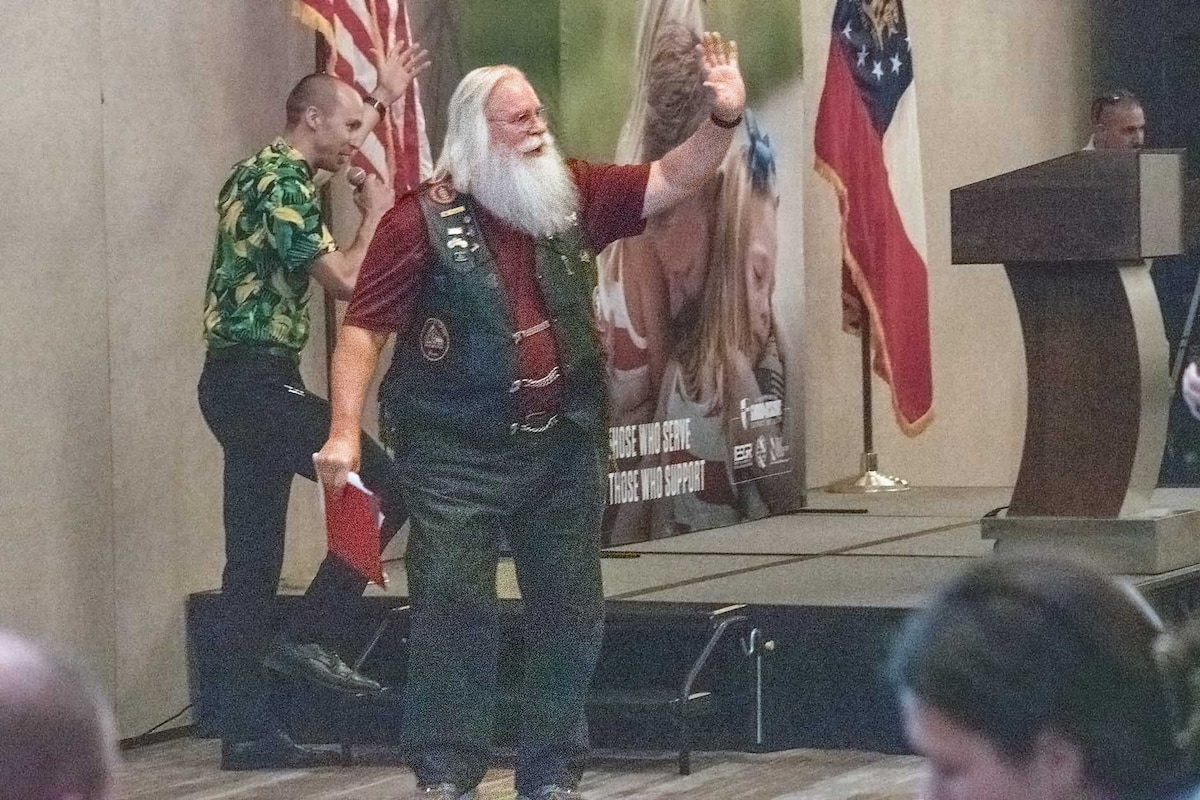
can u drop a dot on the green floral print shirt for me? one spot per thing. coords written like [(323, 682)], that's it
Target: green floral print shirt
[(269, 233)]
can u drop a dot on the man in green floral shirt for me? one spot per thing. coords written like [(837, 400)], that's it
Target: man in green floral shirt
[(270, 230), (270, 241)]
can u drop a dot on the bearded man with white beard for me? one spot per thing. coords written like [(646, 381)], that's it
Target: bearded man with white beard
[(494, 408)]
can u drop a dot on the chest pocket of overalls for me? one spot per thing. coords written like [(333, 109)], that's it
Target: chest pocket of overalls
[(438, 337), (575, 281)]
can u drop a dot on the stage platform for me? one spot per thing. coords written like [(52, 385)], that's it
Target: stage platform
[(828, 589)]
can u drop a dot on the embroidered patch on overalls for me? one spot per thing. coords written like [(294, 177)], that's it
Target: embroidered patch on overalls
[(442, 194), (435, 339)]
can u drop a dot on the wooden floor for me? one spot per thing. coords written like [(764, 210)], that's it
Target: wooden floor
[(186, 769)]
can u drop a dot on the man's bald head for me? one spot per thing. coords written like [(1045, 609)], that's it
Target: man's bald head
[(324, 121), (57, 739), (318, 90)]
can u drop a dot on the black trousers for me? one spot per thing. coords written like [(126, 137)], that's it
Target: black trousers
[(544, 494), (269, 426)]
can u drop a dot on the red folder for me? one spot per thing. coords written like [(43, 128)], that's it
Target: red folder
[(352, 522)]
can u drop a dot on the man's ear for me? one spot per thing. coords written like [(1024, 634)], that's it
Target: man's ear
[(1058, 764), (312, 117)]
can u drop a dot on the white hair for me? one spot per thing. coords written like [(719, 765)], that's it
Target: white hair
[(466, 144), (535, 194)]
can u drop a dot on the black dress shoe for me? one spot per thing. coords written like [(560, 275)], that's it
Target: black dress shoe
[(315, 663), (273, 750)]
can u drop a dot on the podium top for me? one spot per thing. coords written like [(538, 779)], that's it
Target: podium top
[(1093, 205)]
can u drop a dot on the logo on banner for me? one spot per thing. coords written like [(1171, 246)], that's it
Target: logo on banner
[(760, 413), (743, 455), (778, 449), (435, 339), (766, 452), (760, 452)]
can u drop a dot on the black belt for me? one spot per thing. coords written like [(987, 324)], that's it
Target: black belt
[(236, 351)]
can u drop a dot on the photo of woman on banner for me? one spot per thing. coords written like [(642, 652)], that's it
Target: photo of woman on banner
[(727, 374), (656, 308)]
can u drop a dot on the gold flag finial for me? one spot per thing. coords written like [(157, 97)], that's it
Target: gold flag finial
[(883, 17)]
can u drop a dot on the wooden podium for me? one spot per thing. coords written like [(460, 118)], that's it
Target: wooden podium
[(1073, 234)]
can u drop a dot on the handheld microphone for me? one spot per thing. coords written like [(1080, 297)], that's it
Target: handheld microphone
[(356, 176)]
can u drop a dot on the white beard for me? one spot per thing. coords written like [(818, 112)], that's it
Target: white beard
[(532, 193)]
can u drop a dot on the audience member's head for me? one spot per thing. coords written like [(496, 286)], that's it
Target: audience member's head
[(57, 739), (1035, 679), (1118, 122)]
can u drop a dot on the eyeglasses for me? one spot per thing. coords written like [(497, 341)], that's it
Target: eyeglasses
[(524, 119)]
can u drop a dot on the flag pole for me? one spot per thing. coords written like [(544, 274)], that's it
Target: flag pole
[(869, 480), (329, 302)]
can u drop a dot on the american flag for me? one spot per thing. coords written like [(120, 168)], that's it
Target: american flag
[(867, 147), (359, 33)]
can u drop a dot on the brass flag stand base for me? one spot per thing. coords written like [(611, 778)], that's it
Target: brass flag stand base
[(869, 481)]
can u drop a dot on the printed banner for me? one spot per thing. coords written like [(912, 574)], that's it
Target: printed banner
[(701, 316)]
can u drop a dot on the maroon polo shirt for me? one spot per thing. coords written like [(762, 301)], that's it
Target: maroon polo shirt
[(390, 281)]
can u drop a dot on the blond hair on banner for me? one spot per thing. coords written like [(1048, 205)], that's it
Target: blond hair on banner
[(723, 325)]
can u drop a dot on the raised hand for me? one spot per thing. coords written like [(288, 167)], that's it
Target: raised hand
[(398, 70), (722, 76)]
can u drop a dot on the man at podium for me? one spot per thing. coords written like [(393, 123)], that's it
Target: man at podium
[(1118, 122)]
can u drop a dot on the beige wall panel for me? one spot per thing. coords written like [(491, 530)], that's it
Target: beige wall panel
[(998, 87), (56, 577), (190, 89)]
